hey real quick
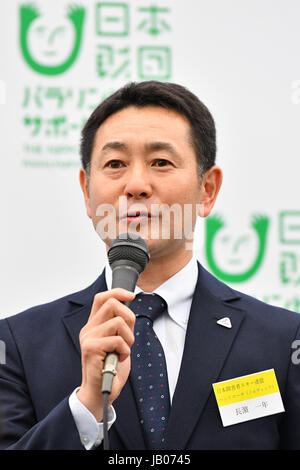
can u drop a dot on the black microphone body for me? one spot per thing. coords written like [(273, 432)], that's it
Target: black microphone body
[(128, 256)]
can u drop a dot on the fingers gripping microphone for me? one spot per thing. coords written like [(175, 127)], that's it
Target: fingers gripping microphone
[(128, 256)]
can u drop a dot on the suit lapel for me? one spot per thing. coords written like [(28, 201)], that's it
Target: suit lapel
[(127, 422), (206, 348), (75, 321), (81, 304)]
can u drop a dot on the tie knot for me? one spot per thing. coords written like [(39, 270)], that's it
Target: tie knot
[(148, 305)]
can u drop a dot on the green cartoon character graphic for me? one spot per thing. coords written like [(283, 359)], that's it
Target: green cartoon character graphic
[(235, 258), (50, 48)]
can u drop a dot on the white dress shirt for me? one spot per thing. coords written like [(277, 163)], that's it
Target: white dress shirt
[(170, 328)]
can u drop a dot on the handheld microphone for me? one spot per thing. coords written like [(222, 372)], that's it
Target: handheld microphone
[(128, 256)]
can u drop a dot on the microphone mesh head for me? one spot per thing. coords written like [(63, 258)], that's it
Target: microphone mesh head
[(131, 247)]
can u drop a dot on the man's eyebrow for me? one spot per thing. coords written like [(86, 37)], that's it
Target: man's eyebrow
[(114, 145), (160, 145)]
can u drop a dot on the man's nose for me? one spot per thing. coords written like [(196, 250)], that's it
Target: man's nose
[(138, 184)]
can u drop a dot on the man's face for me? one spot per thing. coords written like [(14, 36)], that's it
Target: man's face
[(145, 157)]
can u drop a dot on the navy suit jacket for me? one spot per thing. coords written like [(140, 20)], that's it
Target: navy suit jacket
[(43, 367)]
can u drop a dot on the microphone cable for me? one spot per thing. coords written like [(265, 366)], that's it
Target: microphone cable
[(105, 421)]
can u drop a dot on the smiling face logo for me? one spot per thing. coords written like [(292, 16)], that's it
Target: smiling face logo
[(50, 48), (235, 258)]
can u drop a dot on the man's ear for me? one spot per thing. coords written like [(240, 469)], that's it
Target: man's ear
[(83, 178), (211, 184)]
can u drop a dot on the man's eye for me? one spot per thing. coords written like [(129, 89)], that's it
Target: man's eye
[(161, 162), (114, 164)]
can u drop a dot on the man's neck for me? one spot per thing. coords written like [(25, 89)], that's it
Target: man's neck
[(160, 270)]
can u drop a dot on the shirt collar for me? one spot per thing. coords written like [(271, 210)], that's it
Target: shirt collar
[(177, 291)]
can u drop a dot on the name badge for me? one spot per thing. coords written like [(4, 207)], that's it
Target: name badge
[(248, 397)]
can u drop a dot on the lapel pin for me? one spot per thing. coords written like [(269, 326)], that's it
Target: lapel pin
[(225, 322)]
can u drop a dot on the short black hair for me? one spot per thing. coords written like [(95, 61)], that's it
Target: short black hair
[(163, 94)]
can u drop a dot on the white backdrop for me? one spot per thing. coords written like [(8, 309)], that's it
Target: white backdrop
[(242, 58)]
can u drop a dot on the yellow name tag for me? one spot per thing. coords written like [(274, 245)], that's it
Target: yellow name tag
[(248, 397)]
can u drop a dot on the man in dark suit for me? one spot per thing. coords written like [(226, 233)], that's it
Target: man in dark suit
[(150, 144)]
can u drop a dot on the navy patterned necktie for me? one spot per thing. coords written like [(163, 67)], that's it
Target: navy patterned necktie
[(148, 370)]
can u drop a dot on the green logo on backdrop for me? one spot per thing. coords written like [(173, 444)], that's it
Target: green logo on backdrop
[(50, 49), (235, 258)]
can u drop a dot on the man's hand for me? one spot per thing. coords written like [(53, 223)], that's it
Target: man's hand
[(109, 328)]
